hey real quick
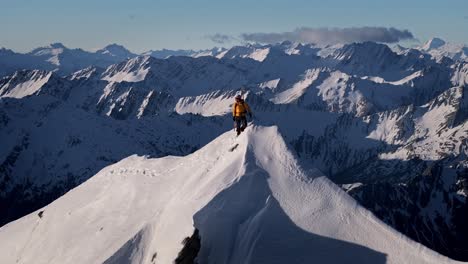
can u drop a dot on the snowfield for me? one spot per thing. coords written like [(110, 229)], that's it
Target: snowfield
[(254, 204)]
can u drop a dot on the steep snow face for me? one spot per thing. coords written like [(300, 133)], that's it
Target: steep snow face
[(272, 84), (298, 89), (244, 203), (259, 54), (433, 43), (134, 70), (23, 83), (89, 73), (211, 104)]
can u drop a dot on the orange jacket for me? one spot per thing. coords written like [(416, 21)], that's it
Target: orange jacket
[(240, 109)]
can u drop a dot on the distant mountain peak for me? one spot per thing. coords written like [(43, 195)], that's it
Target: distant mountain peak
[(116, 50), (115, 47), (433, 43), (5, 50), (57, 45)]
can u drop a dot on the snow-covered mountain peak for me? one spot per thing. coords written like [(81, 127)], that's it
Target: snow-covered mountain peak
[(433, 43), (398, 49), (116, 50), (133, 70), (4, 50), (51, 49), (57, 45), (247, 197), (439, 49), (361, 50), (88, 73)]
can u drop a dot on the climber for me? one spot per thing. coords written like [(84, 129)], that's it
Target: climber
[(239, 111)]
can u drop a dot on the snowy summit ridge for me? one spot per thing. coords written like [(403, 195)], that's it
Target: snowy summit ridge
[(254, 204), (390, 127)]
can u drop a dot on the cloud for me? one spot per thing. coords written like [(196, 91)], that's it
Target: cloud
[(332, 35), (220, 38)]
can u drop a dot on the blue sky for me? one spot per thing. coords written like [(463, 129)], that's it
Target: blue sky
[(141, 25)]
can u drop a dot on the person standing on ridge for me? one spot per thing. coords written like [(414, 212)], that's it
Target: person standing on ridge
[(240, 109)]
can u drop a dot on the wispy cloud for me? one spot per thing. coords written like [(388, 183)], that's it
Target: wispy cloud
[(221, 38), (332, 35)]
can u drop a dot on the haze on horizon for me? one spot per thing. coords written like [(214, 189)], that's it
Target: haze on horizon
[(143, 25)]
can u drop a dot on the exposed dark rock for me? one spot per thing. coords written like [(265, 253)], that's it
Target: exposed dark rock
[(189, 252)]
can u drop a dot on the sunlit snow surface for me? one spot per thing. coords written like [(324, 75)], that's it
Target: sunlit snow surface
[(252, 205)]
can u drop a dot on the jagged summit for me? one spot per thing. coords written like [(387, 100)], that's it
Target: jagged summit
[(253, 204), (433, 43), (376, 51), (116, 50), (52, 47), (57, 45), (4, 50), (24, 83)]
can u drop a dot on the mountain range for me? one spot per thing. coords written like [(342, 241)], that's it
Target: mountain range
[(385, 126), (64, 61)]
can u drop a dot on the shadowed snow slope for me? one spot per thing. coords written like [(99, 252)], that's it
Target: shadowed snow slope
[(254, 204)]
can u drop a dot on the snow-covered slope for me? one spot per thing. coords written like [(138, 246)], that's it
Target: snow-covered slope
[(254, 204), (438, 49), (23, 83), (49, 145)]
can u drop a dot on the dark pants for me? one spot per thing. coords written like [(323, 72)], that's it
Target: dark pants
[(240, 123)]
